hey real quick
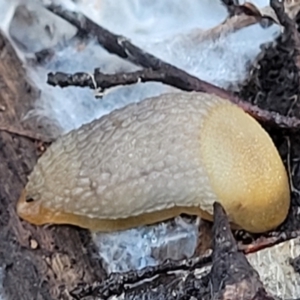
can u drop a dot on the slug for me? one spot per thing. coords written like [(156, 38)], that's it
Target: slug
[(154, 160)]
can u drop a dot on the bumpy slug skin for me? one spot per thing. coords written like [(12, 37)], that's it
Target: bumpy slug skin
[(148, 162)]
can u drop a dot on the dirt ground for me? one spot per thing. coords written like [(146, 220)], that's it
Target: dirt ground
[(37, 263)]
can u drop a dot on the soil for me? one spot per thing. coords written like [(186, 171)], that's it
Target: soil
[(38, 263)]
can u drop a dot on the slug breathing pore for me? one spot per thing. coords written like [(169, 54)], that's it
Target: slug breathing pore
[(151, 161)]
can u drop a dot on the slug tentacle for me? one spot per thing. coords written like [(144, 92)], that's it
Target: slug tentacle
[(153, 160)]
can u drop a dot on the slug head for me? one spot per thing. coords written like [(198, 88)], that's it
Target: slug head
[(245, 169)]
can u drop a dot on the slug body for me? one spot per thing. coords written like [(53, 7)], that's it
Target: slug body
[(151, 161)]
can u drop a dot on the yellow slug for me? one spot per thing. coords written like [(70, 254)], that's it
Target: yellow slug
[(153, 160)]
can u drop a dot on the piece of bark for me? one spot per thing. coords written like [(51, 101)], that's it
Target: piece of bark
[(37, 262), (232, 276)]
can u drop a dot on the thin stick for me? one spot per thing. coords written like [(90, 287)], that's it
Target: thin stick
[(26, 133), (174, 76)]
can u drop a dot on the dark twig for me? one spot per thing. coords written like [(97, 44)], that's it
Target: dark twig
[(122, 47), (102, 81), (115, 283), (291, 34), (171, 77), (26, 133), (283, 18), (113, 43)]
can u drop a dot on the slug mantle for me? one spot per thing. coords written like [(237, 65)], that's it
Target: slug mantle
[(153, 160)]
